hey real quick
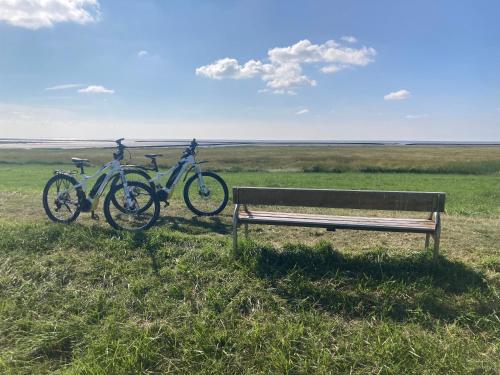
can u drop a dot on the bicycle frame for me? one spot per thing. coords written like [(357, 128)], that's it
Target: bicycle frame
[(187, 163), (109, 170)]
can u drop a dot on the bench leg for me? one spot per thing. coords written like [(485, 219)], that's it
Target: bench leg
[(235, 238), (235, 229), (436, 245), (427, 238), (246, 230), (437, 235)]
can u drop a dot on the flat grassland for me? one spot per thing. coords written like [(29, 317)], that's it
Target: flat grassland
[(84, 298)]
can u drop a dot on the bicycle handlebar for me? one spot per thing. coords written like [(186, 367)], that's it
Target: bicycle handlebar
[(119, 154), (190, 150)]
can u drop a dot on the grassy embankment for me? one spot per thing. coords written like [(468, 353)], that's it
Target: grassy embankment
[(84, 298)]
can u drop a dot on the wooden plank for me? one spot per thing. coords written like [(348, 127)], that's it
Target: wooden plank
[(344, 219), (329, 217), (328, 198), (340, 225), (345, 222), (355, 226)]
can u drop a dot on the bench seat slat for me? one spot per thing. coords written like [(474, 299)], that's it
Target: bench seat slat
[(342, 219), (340, 222), (252, 213)]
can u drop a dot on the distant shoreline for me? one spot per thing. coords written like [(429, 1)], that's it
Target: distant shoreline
[(26, 143)]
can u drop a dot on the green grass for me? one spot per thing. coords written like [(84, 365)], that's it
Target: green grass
[(466, 194), (413, 159), (86, 299)]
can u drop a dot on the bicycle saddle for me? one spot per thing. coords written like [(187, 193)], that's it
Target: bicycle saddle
[(79, 161), (152, 156)]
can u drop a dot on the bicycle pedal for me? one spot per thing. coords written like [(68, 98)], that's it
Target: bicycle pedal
[(166, 204), (94, 216)]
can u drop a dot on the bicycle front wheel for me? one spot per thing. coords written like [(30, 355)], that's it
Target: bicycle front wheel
[(132, 174), (138, 207), (206, 195)]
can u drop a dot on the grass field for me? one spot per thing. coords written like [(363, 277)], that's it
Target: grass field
[(414, 159), (84, 298)]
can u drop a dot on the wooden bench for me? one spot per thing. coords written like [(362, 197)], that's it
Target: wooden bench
[(433, 203)]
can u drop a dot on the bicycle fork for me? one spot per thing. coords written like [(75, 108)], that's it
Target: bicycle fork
[(128, 199), (203, 188)]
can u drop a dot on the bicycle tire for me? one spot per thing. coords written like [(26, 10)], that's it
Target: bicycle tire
[(45, 199), (192, 207), (136, 171), (108, 201)]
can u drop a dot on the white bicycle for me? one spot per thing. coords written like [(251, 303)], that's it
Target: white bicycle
[(205, 193), (129, 205)]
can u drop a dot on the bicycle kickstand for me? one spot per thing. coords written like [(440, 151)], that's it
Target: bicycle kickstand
[(94, 216)]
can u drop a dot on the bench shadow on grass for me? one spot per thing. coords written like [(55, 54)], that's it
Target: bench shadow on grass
[(371, 284)]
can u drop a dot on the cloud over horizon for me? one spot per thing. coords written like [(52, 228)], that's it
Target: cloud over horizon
[(64, 87), (302, 112), (96, 89), (398, 95), (417, 116), (349, 39), (285, 64)]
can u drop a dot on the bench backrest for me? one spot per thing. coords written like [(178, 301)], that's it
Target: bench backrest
[(329, 198)]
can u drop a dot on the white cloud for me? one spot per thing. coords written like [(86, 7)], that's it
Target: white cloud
[(329, 52), (415, 117), (397, 95), (65, 86), (286, 75), (349, 39), (277, 92), (332, 68), (302, 112), (230, 68), (94, 89), (284, 69), (142, 53), (35, 14)]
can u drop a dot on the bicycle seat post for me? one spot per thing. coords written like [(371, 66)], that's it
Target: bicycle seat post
[(154, 164)]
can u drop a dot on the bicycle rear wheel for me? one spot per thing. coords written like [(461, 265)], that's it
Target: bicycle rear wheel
[(137, 210), (60, 199)]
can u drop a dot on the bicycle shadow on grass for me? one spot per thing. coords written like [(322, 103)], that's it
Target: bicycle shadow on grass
[(371, 284), (195, 224)]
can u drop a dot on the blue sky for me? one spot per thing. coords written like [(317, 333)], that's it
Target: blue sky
[(356, 70)]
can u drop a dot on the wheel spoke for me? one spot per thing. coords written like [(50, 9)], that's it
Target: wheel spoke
[(205, 197), (61, 199), (140, 213)]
